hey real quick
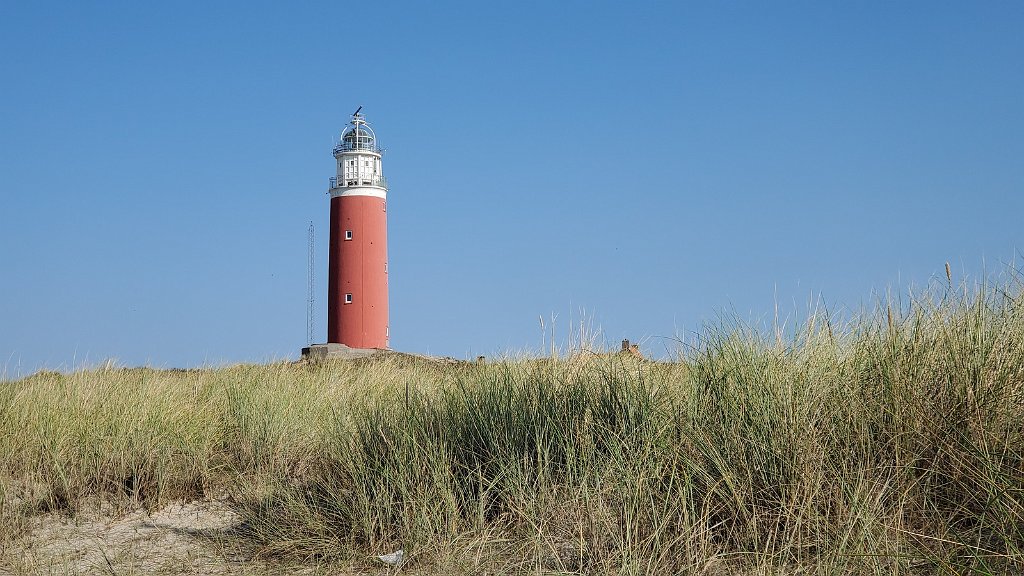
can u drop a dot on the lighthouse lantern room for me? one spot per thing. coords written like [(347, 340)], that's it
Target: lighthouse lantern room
[(357, 283)]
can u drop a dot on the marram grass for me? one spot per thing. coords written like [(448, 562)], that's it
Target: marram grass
[(893, 444)]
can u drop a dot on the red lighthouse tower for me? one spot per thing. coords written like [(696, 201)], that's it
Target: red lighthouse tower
[(357, 280)]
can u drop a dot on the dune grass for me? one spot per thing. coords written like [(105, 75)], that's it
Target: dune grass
[(893, 444)]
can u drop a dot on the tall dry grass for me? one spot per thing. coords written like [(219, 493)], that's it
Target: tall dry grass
[(890, 444)]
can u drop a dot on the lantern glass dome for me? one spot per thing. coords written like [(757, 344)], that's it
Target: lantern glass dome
[(357, 136)]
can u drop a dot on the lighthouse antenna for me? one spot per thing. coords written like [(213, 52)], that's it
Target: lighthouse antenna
[(356, 113)]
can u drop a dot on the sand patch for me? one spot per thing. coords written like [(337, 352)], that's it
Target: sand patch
[(182, 538)]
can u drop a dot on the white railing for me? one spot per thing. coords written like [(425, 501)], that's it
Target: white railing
[(359, 180), (351, 146)]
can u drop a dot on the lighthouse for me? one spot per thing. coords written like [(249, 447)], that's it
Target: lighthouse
[(357, 277)]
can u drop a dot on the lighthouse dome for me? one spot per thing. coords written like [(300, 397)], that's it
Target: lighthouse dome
[(357, 136)]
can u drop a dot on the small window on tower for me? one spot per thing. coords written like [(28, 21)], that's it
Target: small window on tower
[(348, 234), (348, 298)]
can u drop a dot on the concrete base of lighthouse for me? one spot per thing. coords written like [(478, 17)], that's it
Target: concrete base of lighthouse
[(337, 352)]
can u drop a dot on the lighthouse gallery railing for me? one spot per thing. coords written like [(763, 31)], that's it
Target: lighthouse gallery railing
[(369, 180)]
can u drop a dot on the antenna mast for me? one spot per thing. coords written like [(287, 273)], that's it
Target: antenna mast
[(309, 300)]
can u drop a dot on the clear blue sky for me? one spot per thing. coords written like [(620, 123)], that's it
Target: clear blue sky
[(652, 164)]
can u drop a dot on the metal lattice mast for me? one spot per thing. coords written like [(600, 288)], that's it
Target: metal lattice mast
[(310, 300)]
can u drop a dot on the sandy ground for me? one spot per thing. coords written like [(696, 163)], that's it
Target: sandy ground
[(182, 538), (194, 537)]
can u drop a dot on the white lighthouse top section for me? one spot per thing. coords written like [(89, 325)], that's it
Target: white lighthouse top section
[(359, 169)]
